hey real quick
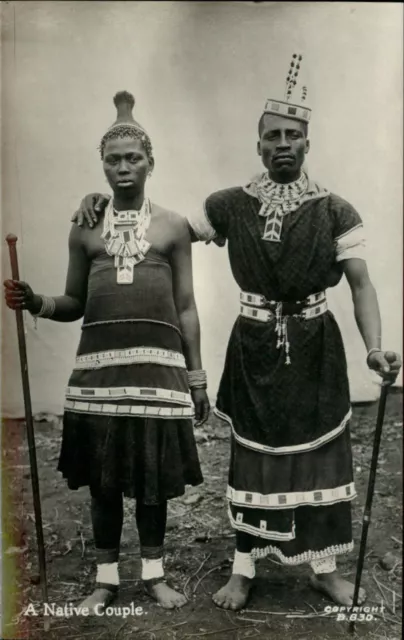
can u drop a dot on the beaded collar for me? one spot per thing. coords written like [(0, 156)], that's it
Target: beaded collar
[(124, 237), (278, 200)]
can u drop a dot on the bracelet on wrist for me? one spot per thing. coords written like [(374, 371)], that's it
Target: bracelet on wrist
[(197, 379), (47, 308), (373, 350)]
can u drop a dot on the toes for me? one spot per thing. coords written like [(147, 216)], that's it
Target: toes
[(219, 603), (361, 597), (173, 601), (224, 601), (167, 604)]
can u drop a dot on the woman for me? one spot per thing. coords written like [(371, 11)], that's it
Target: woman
[(127, 427)]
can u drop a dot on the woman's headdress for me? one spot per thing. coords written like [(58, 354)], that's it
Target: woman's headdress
[(125, 125)]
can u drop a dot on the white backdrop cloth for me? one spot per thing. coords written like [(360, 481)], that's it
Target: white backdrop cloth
[(201, 73)]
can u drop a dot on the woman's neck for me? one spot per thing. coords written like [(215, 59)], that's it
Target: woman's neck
[(128, 202)]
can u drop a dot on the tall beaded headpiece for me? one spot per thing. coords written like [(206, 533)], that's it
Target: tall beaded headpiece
[(125, 125), (296, 110)]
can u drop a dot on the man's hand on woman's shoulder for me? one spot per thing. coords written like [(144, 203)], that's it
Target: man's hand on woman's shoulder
[(90, 207)]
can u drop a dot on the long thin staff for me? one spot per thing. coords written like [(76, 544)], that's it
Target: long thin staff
[(369, 497), (12, 242)]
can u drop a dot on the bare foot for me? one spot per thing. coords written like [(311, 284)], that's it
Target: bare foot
[(165, 596), (97, 601), (234, 594), (336, 588)]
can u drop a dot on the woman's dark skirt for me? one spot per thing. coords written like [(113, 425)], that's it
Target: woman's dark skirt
[(149, 459)]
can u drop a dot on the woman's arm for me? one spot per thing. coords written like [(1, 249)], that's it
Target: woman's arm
[(181, 264), (66, 308)]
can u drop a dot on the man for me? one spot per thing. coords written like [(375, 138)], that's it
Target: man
[(128, 415), (284, 389)]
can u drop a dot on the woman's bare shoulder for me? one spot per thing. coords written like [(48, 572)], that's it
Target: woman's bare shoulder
[(170, 219)]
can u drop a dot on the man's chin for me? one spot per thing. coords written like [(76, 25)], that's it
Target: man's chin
[(284, 170), (288, 166)]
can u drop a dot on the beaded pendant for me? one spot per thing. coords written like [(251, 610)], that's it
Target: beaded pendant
[(277, 201), (124, 237)]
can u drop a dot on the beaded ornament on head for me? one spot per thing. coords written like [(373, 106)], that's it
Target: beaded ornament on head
[(298, 109), (279, 199), (124, 232)]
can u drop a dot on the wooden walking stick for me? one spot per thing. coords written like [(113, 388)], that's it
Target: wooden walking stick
[(369, 497), (12, 242)]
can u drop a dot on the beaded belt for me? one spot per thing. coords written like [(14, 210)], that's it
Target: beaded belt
[(263, 310)]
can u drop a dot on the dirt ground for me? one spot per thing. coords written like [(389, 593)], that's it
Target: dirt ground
[(199, 548)]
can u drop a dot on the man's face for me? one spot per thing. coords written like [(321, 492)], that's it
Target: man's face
[(126, 165), (282, 146)]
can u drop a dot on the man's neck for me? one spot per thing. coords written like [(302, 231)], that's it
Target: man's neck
[(129, 201), (282, 178)]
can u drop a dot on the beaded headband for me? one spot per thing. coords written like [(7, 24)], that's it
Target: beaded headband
[(285, 107), (125, 122)]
